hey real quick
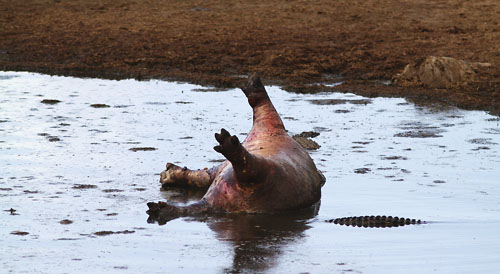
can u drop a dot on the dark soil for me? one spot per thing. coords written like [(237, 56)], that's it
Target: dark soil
[(296, 44)]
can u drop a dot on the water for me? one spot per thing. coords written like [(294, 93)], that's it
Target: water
[(80, 193)]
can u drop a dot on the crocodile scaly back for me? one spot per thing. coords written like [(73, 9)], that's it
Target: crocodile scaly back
[(375, 221)]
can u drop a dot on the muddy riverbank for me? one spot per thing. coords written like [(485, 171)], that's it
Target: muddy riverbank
[(295, 44)]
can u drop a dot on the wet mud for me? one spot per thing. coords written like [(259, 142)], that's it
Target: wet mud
[(304, 47), (83, 199)]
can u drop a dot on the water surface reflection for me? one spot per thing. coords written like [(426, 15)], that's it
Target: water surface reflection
[(257, 240)]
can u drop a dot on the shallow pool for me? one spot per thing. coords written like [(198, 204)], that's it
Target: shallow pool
[(80, 158)]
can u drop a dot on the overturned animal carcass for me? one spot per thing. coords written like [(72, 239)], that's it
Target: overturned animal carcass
[(268, 172)]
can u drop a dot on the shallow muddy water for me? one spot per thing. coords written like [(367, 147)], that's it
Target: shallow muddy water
[(81, 157)]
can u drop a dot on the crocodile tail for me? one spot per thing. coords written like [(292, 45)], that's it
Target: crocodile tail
[(375, 221)]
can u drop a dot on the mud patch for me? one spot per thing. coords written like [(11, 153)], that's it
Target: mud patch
[(482, 141), (84, 186), (341, 101), (362, 170), (50, 101), (416, 129), (106, 233), (135, 149), (393, 158), (491, 131), (342, 111), (362, 142), (210, 89), (100, 106), (480, 148), (19, 233), (156, 103), (112, 190), (53, 139), (420, 134), (30, 191)]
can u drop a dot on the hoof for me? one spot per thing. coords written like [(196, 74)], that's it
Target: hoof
[(162, 212), (154, 209), (228, 145)]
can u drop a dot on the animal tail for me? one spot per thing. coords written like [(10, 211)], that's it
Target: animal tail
[(375, 221)]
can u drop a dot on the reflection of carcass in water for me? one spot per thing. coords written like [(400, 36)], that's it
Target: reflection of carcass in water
[(257, 239)]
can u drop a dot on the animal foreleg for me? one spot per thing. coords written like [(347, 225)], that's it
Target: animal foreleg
[(247, 167)]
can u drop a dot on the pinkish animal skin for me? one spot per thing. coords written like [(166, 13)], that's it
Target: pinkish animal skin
[(267, 173)]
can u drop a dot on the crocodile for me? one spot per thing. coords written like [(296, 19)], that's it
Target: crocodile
[(375, 221)]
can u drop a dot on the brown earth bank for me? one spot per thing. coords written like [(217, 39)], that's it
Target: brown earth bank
[(300, 45)]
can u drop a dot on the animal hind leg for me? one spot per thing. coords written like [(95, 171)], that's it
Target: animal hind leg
[(175, 175)]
